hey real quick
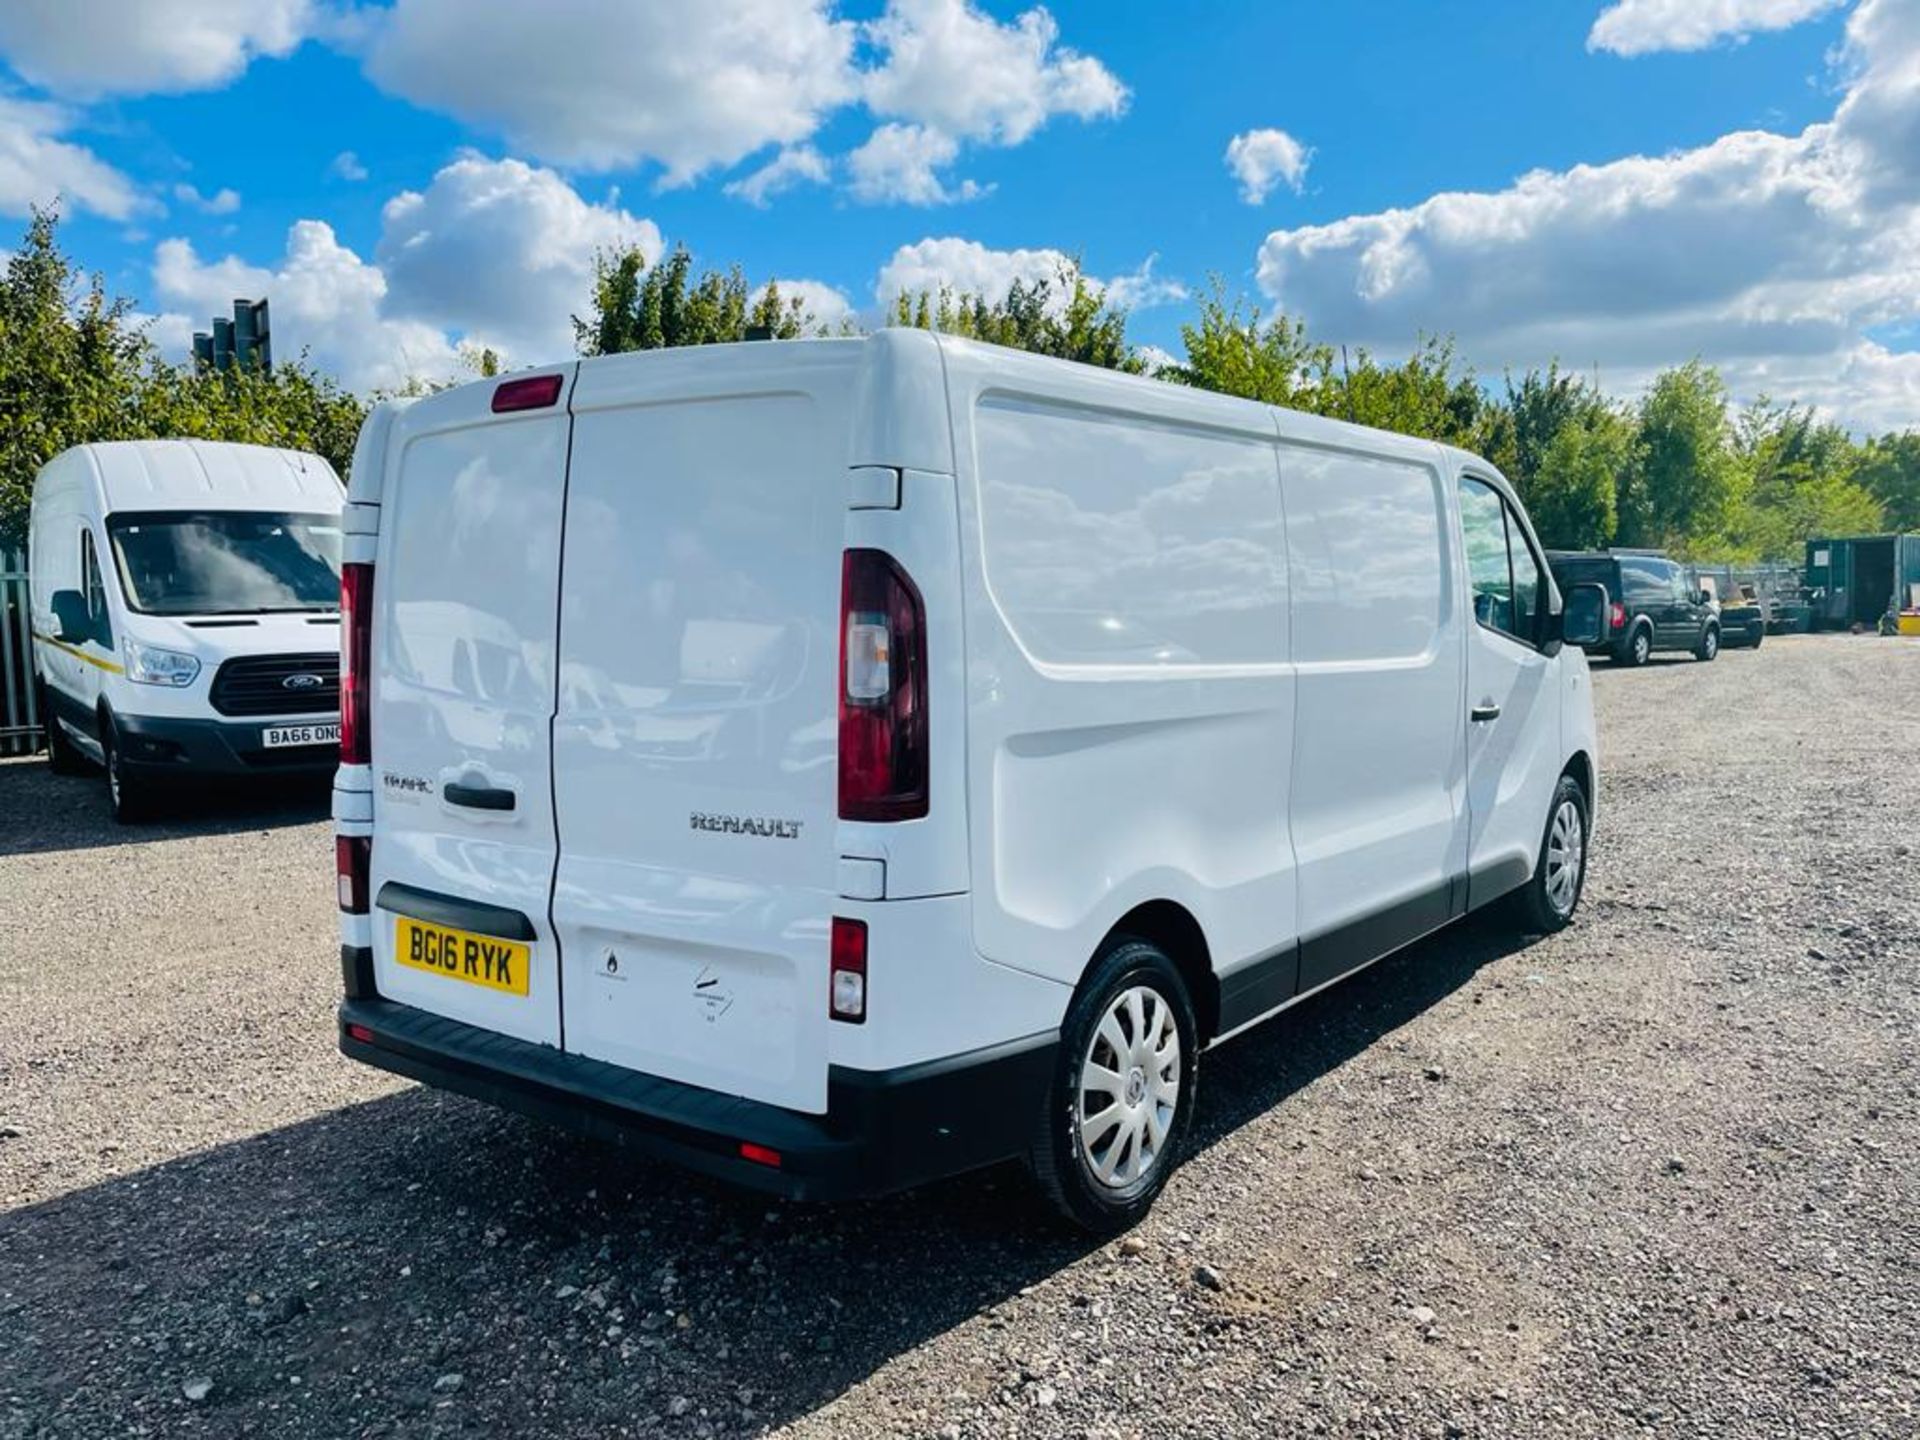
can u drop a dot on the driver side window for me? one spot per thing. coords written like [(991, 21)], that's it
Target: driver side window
[(1508, 591), (94, 588)]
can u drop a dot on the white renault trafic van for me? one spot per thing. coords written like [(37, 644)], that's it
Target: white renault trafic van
[(186, 612), (836, 764)]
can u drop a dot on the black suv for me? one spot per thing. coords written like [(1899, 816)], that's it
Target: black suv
[(1657, 605)]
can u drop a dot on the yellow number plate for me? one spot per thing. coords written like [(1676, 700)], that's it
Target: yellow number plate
[(484, 960)]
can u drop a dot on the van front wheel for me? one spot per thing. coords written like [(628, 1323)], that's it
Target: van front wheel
[(127, 794), (1547, 901), (1121, 1103)]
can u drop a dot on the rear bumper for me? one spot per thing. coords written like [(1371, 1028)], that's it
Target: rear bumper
[(161, 746), (883, 1130)]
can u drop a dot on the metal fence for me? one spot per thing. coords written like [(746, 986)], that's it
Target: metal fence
[(19, 715)]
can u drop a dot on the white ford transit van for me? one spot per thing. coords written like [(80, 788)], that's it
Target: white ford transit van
[(836, 764), (186, 612)]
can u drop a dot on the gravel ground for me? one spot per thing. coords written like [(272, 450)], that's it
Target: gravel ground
[(1659, 1174)]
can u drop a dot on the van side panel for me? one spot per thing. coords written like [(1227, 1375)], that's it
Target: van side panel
[(465, 594), (695, 744), (1378, 804), (1130, 698)]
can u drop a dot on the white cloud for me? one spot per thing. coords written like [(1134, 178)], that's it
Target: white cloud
[(606, 85), (826, 305), (796, 165), (1142, 290), (492, 252), (501, 252), (951, 74), (1156, 359), (1262, 159), (326, 301), (1641, 27), (902, 163), (966, 267), (956, 70), (129, 47), (1770, 255), (346, 166), (39, 168), (222, 202)]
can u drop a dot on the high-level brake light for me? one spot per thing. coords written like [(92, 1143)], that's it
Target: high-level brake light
[(534, 392)]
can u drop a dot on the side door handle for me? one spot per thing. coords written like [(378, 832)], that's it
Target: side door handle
[(1485, 712), (478, 797)]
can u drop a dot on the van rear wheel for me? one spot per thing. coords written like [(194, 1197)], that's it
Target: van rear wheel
[(1121, 1103)]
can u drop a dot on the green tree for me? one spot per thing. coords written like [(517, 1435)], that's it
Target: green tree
[(1890, 472), (1572, 492), (69, 371), (1687, 483), (1804, 481), (1064, 316), (634, 307), (1230, 350)]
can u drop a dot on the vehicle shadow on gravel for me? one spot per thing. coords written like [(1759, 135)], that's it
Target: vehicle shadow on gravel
[(424, 1263), (42, 812)]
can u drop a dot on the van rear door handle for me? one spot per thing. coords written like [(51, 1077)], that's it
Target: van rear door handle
[(1485, 711), (478, 797)]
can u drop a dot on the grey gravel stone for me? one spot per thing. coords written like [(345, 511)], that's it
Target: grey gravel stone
[(189, 1136)]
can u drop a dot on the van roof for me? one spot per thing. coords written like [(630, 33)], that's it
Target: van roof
[(202, 474)]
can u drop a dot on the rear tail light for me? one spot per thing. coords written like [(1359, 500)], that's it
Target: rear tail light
[(360, 1033), (352, 862), (883, 691), (847, 980), (356, 663), (760, 1154), (1619, 615), (534, 392)]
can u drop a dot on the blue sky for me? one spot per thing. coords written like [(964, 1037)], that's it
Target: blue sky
[(1743, 189)]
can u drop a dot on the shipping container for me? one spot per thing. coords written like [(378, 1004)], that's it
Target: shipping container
[(1860, 579)]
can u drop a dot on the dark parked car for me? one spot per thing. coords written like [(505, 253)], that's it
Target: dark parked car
[(1656, 603)]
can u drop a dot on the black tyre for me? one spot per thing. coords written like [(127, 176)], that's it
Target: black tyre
[(1638, 649), (1550, 897), (63, 756), (129, 794), (1709, 646), (1121, 1104)]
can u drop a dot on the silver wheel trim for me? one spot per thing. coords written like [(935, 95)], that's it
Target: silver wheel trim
[(1128, 1089), (113, 772), (1642, 648), (1713, 642), (1566, 855)]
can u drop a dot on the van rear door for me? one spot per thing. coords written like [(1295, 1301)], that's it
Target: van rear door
[(466, 589), (695, 738)]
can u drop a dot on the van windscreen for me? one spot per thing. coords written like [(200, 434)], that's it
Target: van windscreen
[(227, 562)]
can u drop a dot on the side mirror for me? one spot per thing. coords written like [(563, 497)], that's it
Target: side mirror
[(71, 620), (1707, 597), (1584, 622)]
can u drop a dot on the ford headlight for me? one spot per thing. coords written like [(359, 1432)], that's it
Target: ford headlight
[(150, 665)]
